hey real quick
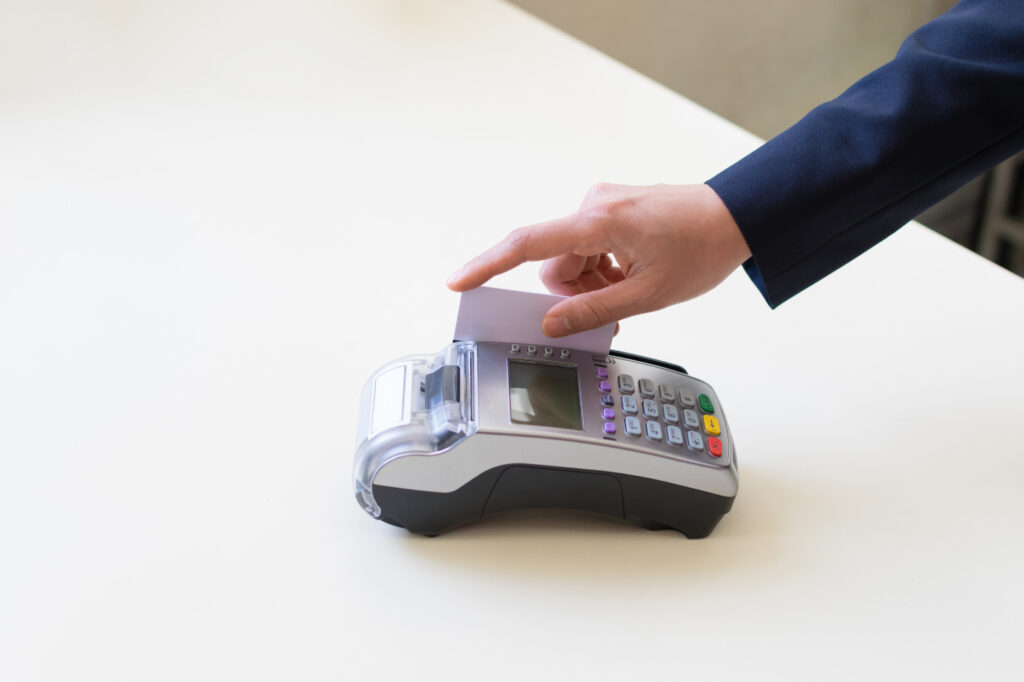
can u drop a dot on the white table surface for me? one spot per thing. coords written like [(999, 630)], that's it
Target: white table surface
[(217, 218)]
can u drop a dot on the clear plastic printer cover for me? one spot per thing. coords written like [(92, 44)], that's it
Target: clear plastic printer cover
[(420, 404)]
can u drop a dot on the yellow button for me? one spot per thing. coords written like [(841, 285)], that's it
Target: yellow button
[(711, 425)]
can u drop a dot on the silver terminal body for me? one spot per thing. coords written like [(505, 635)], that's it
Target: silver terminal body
[(436, 422)]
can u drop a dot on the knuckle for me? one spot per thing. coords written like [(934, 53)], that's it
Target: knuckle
[(601, 192), (548, 273), (517, 240), (600, 189), (609, 211), (617, 208)]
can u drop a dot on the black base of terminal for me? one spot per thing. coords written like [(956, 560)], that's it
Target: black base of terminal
[(641, 501)]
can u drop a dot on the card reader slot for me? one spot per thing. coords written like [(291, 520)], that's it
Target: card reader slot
[(650, 361)]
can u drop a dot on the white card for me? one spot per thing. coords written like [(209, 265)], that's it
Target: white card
[(488, 314)]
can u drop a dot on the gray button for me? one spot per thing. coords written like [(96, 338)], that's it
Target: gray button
[(629, 404), (549, 351), (514, 348), (674, 435), (564, 353), (668, 394), (532, 350), (670, 413), (694, 441), (690, 419), (626, 383), (632, 426), (653, 430), (687, 398), (650, 409), (646, 388)]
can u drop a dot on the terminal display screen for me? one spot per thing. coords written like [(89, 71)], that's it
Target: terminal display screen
[(544, 395)]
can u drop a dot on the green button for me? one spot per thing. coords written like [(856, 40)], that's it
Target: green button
[(705, 404)]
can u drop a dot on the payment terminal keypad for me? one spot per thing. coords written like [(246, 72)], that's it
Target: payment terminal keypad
[(662, 409), (660, 413)]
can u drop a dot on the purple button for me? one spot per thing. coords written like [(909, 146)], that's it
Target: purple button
[(609, 427), (608, 413), (602, 372), (605, 387)]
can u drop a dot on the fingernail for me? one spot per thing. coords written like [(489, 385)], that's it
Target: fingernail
[(556, 326)]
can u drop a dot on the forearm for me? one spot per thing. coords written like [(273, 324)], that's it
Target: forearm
[(949, 106)]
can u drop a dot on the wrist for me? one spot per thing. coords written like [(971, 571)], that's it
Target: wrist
[(723, 223)]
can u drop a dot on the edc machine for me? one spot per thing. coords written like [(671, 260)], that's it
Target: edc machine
[(486, 427)]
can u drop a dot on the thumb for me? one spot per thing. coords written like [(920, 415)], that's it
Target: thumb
[(594, 309)]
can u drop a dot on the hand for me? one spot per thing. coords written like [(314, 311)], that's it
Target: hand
[(670, 243)]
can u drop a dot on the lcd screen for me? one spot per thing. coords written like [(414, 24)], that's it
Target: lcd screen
[(544, 395)]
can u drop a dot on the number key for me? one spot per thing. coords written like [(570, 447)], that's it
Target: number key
[(650, 409), (632, 426), (690, 419)]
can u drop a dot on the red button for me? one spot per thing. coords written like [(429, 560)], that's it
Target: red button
[(714, 446)]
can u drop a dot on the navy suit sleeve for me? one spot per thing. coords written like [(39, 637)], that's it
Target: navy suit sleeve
[(949, 106)]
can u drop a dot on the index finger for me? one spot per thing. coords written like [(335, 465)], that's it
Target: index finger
[(531, 243)]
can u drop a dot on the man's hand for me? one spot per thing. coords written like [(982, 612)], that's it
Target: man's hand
[(670, 243)]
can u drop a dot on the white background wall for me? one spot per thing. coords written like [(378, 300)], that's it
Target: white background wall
[(759, 64), (762, 65)]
